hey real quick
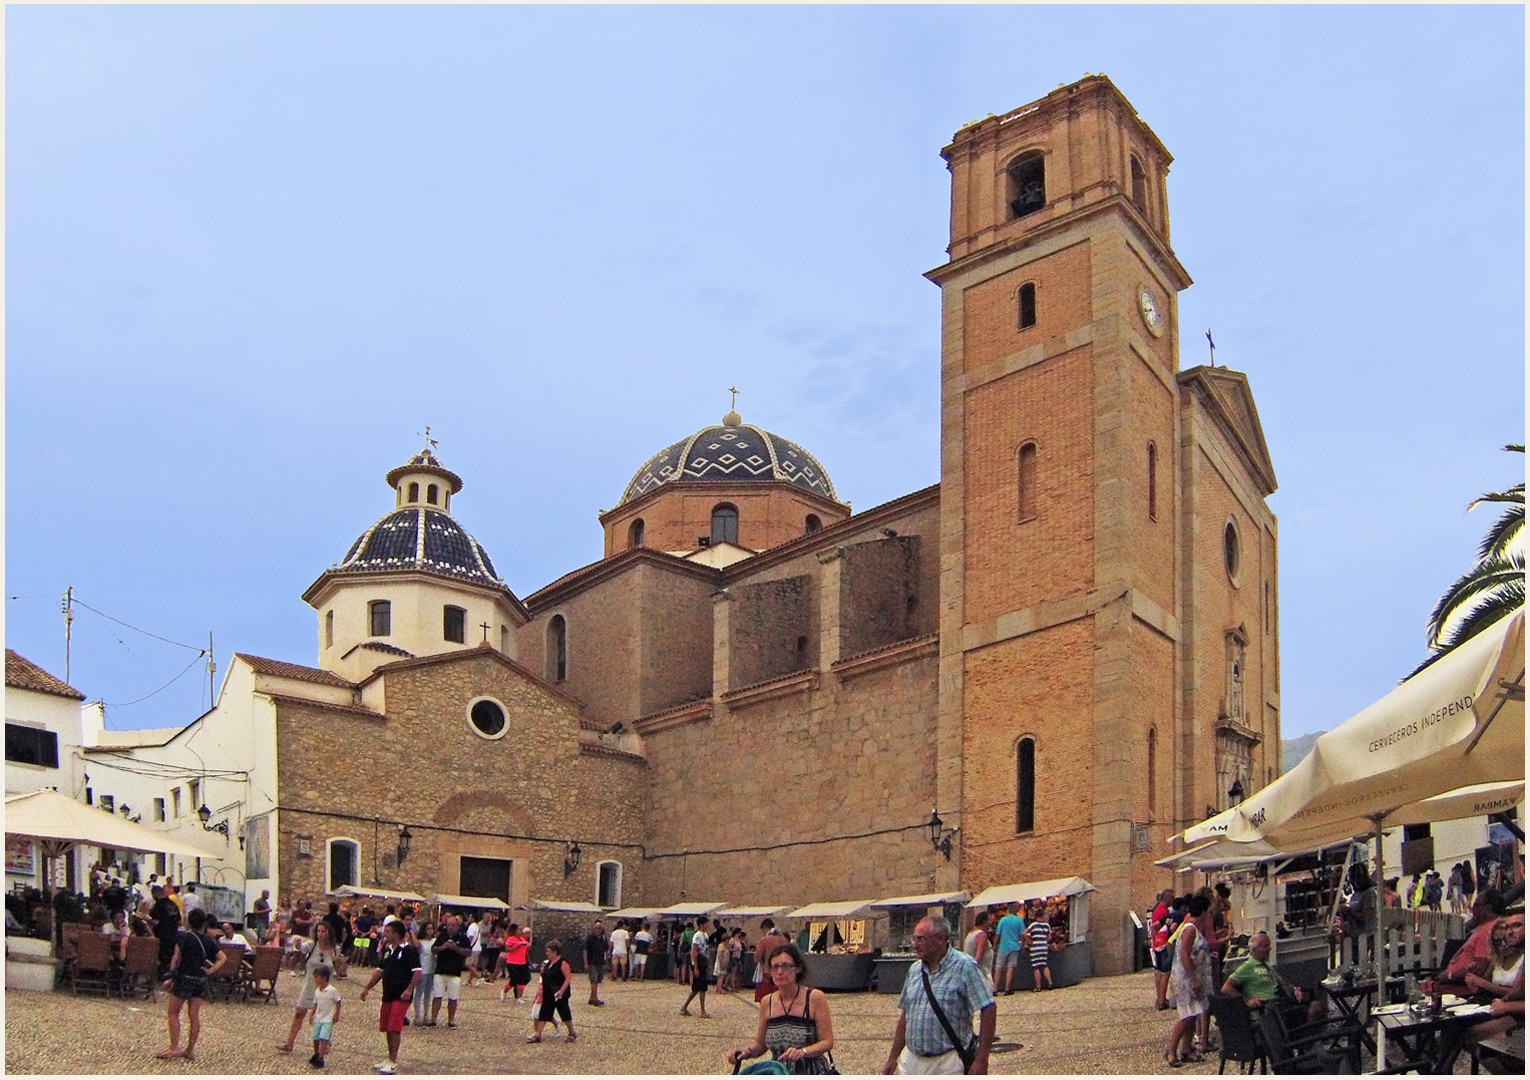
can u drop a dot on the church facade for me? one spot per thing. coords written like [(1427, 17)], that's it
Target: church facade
[(1068, 648)]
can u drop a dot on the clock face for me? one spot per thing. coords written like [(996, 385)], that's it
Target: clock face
[(1150, 313)]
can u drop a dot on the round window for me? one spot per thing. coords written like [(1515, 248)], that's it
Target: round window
[(487, 717), (1230, 550)]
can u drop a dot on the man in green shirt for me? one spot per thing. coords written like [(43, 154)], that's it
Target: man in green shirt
[(1255, 980)]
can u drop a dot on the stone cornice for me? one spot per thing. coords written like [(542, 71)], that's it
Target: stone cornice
[(576, 581), (784, 686), (899, 652), (1209, 385), (689, 713), (1228, 724), (323, 587)]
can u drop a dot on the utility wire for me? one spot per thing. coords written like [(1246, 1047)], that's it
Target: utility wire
[(199, 651), (146, 697)]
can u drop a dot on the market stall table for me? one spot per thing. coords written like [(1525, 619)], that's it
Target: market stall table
[(1074, 962), (904, 913), (836, 971), (1431, 1042)]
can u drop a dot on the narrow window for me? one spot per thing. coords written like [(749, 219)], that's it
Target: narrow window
[(1026, 486), (90, 797), (812, 524), (381, 612), (1025, 786), (1266, 607), (431, 492), (342, 863), (1152, 772), (724, 524), (109, 803), (1027, 304), (414, 493), (454, 624), (194, 794), (1152, 482), (175, 800), (159, 809), (802, 651), (329, 628), (635, 534), (504, 640), (609, 888), (557, 649), (1139, 186), (1027, 185)]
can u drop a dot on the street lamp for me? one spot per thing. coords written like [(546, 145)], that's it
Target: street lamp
[(940, 836), (571, 854), (404, 836), (1235, 793)]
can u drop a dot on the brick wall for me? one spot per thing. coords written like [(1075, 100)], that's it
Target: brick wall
[(675, 645)]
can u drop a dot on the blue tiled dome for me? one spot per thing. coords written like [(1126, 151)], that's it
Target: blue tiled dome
[(420, 539), (731, 453)]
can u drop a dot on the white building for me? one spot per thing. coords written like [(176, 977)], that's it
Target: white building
[(42, 733)]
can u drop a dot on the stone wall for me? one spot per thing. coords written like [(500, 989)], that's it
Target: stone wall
[(774, 629), (346, 773), (885, 595)]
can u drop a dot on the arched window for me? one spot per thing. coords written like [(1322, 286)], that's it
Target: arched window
[(1026, 481), (430, 494), (1025, 785), (802, 653), (381, 617), (1139, 185), (329, 626), (557, 649), (1231, 552), (1152, 482), (608, 889), (454, 624), (414, 493), (1266, 607), (342, 859), (1027, 304), (504, 640), (1027, 184), (724, 524), (812, 524), (635, 534), (1152, 773)]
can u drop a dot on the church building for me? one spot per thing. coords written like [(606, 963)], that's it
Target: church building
[(1068, 648)]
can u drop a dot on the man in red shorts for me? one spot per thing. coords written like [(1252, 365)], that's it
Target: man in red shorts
[(399, 969), (772, 937)]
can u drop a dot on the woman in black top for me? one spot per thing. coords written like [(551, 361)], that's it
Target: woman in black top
[(197, 955), (556, 977)]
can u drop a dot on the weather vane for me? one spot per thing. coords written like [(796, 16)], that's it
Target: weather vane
[(1213, 345), (428, 440), (734, 391)]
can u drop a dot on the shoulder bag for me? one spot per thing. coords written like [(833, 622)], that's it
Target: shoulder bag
[(965, 1049)]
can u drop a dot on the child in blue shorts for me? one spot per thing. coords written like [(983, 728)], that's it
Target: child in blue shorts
[(326, 1014)]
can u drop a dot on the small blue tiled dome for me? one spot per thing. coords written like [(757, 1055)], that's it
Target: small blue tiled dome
[(731, 453), (419, 538)]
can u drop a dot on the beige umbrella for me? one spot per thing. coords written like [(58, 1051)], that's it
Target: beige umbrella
[(1459, 722), (59, 822)]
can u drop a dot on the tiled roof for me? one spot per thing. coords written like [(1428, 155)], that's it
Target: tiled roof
[(602, 750), (281, 669), (25, 675)]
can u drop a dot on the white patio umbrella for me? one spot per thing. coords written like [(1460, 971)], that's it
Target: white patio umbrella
[(1447, 738), (58, 822), (1459, 722)]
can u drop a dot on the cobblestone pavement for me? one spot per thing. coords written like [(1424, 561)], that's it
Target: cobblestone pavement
[(1106, 1025)]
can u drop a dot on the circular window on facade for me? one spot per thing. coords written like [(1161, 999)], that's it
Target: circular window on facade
[(1230, 549), (487, 717)]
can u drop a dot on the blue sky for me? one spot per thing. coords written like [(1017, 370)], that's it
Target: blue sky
[(252, 251)]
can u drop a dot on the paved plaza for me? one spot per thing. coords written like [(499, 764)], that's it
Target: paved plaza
[(1105, 1025)]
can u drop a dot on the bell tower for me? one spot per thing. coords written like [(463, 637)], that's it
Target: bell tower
[(1060, 526)]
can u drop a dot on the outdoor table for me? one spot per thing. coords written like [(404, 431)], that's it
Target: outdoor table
[(1430, 1042), (1511, 1046), (1354, 1002)]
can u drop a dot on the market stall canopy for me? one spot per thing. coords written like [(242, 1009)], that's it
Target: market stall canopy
[(693, 910), (927, 900), (378, 894), (577, 906), (1459, 722), (493, 903), (752, 912), (1032, 890), (633, 913), (57, 820), (838, 909)]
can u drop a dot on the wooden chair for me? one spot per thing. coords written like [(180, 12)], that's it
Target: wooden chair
[(140, 972), (92, 966), (260, 980), (69, 938)]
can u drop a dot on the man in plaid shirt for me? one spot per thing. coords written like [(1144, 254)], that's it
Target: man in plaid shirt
[(920, 1044)]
